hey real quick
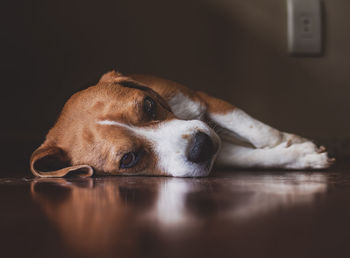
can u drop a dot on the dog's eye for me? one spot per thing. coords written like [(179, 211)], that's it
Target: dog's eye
[(149, 107), (129, 160)]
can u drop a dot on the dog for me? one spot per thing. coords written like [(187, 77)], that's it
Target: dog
[(144, 125)]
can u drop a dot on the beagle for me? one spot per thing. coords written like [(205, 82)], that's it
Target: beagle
[(143, 125)]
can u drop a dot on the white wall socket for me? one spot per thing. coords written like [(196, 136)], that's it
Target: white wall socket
[(304, 27)]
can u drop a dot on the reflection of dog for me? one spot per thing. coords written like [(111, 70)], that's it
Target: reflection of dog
[(145, 125), (100, 216), (81, 210)]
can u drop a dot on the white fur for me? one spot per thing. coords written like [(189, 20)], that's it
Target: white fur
[(273, 149), (296, 156), (170, 145), (248, 128), (185, 108)]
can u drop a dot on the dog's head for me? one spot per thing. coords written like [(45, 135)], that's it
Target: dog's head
[(121, 126)]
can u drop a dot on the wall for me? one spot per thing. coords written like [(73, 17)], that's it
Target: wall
[(234, 49)]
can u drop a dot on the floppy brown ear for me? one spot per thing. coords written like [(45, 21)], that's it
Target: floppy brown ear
[(50, 161), (110, 76)]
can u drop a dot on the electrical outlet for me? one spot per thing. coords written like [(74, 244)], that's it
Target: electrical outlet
[(304, 27)]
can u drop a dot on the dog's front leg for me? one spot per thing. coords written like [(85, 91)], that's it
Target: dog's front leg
[(270, 148), (235, 123), (296, 156)]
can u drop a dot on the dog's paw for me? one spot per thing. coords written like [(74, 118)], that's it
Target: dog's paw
[(306, 155)]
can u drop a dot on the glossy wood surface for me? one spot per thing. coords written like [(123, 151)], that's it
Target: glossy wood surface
[(230, 214)]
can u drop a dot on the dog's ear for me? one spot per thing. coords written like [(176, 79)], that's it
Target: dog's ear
[(51, 161), (110, 76)]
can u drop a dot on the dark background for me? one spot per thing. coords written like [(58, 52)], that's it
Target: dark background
[(233, 49)]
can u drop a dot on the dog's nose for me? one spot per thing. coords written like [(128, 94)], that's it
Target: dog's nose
[(201, 148)]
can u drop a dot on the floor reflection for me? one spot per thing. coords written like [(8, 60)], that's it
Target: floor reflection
[(271, 192), (97, 215), (93, 215)]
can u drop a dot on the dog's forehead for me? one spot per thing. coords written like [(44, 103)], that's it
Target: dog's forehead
[(121, 101), (114, 102)]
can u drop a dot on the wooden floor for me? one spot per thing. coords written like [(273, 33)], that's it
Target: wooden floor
[(230, 214)]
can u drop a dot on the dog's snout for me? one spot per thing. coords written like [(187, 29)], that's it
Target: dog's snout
[(201, 148)]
